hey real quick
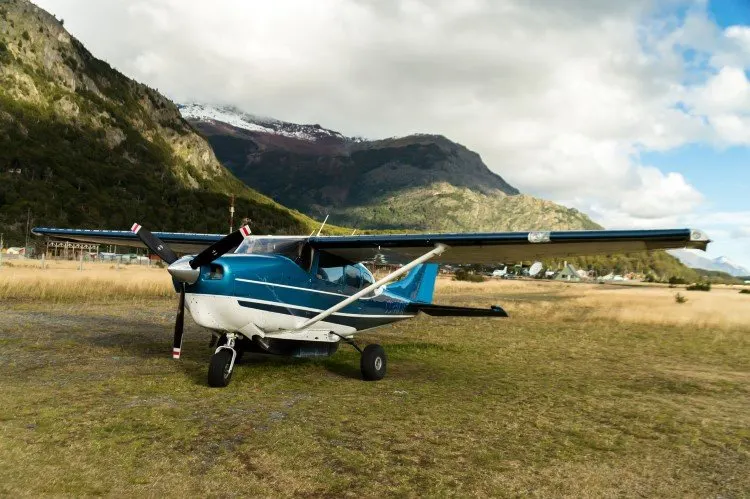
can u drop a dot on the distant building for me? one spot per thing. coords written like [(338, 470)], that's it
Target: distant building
[(568, 273), (500, 272)]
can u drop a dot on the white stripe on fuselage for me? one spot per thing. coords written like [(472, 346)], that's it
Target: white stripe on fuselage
[(224, 313), (309, 290)]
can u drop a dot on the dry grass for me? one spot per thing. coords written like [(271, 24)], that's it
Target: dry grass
[(62, 282), (558, 400), (722, 308)]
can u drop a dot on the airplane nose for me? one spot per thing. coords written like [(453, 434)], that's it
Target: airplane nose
[(183, 272)]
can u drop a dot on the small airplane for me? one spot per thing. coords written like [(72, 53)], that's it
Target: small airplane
[(301, 296)]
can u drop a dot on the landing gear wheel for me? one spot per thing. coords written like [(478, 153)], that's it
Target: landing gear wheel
[(373, 363), (219, 372), (238, 347)]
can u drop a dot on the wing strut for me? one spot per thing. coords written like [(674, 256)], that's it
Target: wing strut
[(439, 248)]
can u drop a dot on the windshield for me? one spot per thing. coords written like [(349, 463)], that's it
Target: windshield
[(290, 247)]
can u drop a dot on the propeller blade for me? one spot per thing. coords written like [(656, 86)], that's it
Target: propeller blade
[(153, 243), (220, 247), (179, 326)]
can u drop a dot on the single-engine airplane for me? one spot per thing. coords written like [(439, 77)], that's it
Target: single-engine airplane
[(302, 296)]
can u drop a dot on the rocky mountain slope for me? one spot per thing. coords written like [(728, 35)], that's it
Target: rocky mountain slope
[(83, 145), (419, 182)]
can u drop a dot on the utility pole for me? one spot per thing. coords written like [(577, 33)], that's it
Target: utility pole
[(28, 222), (231, 216)]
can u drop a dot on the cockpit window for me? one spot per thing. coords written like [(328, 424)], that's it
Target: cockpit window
[(331, 274), (349, 278), (290, 247)]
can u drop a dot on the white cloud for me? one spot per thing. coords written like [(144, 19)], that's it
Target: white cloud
[(558, 97), (660, 195)]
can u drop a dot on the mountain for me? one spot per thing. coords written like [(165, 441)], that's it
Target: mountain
[(83, 145), (698, 260), (419, 182)]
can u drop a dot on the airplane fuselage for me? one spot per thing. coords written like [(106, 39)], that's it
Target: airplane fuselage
[(272, 296)]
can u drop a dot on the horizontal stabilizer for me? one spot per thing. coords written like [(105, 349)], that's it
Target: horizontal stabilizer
[(451, 311)]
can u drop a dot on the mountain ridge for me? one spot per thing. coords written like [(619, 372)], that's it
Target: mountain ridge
[(83, 145), (418, 182), (696, 260)]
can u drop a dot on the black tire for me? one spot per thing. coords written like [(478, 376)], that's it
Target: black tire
[(218, 369), (373, 363)]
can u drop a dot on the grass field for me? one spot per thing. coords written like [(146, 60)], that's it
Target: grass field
[(585, 391)]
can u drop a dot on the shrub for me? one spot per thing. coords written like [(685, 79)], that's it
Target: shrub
[(464, 275), (745, 292), (676, 280), (679, 298), (25, 35), (699, 286)]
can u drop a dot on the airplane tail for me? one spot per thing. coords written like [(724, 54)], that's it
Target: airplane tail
[(418, 285)]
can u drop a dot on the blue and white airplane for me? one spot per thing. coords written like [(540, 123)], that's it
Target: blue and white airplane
[(301, 296)]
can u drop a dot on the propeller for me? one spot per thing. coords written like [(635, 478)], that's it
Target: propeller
[(179, 325), (186, 270), (153, 243), (220, 247)]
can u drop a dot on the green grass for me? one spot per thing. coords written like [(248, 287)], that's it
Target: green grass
[(91, 404)]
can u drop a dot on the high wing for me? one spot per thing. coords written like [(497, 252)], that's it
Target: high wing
[(498, 247), (181, 242), (481, 247)]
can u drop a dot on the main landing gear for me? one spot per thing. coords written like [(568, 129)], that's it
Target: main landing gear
[(372, 360), (230, 347)]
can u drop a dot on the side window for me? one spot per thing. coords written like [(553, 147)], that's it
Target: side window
[(333, 275), (352, 279)]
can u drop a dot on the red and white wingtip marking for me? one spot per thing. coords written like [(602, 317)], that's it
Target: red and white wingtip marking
[(135, 228), (245, 230), (176, 353)]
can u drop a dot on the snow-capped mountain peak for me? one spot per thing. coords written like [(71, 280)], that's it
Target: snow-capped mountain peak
[(729, 264), (252, 123), (698, 260)]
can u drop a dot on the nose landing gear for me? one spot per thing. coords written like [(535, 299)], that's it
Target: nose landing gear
[(222, 362)]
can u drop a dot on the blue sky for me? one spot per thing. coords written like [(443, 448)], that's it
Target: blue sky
[(721, 172), (635, 113)]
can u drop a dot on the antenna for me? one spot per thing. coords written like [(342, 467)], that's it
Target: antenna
[(322, 225), (231, 216), (535, 269)]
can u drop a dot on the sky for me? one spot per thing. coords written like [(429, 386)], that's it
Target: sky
[(637, 113)]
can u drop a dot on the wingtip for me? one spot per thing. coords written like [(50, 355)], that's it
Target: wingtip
[(699, 239)]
